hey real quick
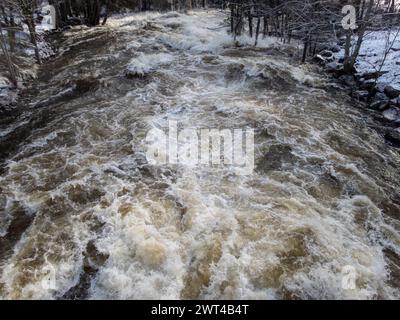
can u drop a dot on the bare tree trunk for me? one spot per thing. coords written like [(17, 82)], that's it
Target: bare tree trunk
[(351, 60), (32, 32), (257, 30), (306, 44), (10, 65)]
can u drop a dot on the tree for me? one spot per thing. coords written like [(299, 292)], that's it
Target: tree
[(364, 21), (9, 62)]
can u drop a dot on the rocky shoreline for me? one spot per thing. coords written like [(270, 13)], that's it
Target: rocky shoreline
[(383, 99)]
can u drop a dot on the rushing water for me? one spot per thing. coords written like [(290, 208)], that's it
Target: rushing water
[(80, 206)]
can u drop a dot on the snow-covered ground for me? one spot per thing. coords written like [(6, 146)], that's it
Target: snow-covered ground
[(372, 54)]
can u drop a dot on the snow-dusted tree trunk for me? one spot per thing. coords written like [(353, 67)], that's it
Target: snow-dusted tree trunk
[(9, 62), (350, 60)]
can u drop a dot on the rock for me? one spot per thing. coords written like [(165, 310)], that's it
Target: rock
[(394, 102), (326, 53), (348, 80), (234, 71), (367, 84), (381, 96), (319, 59), (380, 102), (335, 48), (379, 105), (360, 95), (392, 114), (380, 87), (4, 83), (334, 67), (398, 63), (393, 136), (392, 92), (373, 75)]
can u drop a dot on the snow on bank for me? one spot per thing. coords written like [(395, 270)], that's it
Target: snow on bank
[(372, 53)]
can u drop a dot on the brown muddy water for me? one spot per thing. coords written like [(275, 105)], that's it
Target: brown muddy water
[(83, 215)]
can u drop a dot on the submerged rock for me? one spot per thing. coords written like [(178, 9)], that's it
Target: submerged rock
[(275, 158), (234, 71)]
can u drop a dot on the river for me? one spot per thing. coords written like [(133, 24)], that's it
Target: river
[(84, 216)]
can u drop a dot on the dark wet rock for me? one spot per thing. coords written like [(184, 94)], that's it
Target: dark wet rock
[(367, 84), (20, 222), (380, 87), (392, 114), (326, 53), (234, 71), (319, 59), (360, 95), (327, 187), (334, 67), (394, 102), (93, 260), (373, 75), (276, 156), (210, 59), (348, 80), (174, 25), (170, 16), (86, 85), (393, 136), (380, 102), (335, 48), (392, 92), (277, 78)]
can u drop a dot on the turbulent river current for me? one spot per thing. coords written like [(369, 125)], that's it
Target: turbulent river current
[(85, 216)]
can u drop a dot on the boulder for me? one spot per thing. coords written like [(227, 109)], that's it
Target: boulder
[(392, 114), (380, 102), (334, 66), (319, 59), (348, 80), (326, 53), (379, 105), (393, 136), (380, 87), (394, 102), (392, 92), (367, 84), (373, 74), (335, 48), (360, 95), (234, 71)]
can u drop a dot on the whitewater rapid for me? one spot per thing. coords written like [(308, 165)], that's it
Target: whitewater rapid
[(83, 215)]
